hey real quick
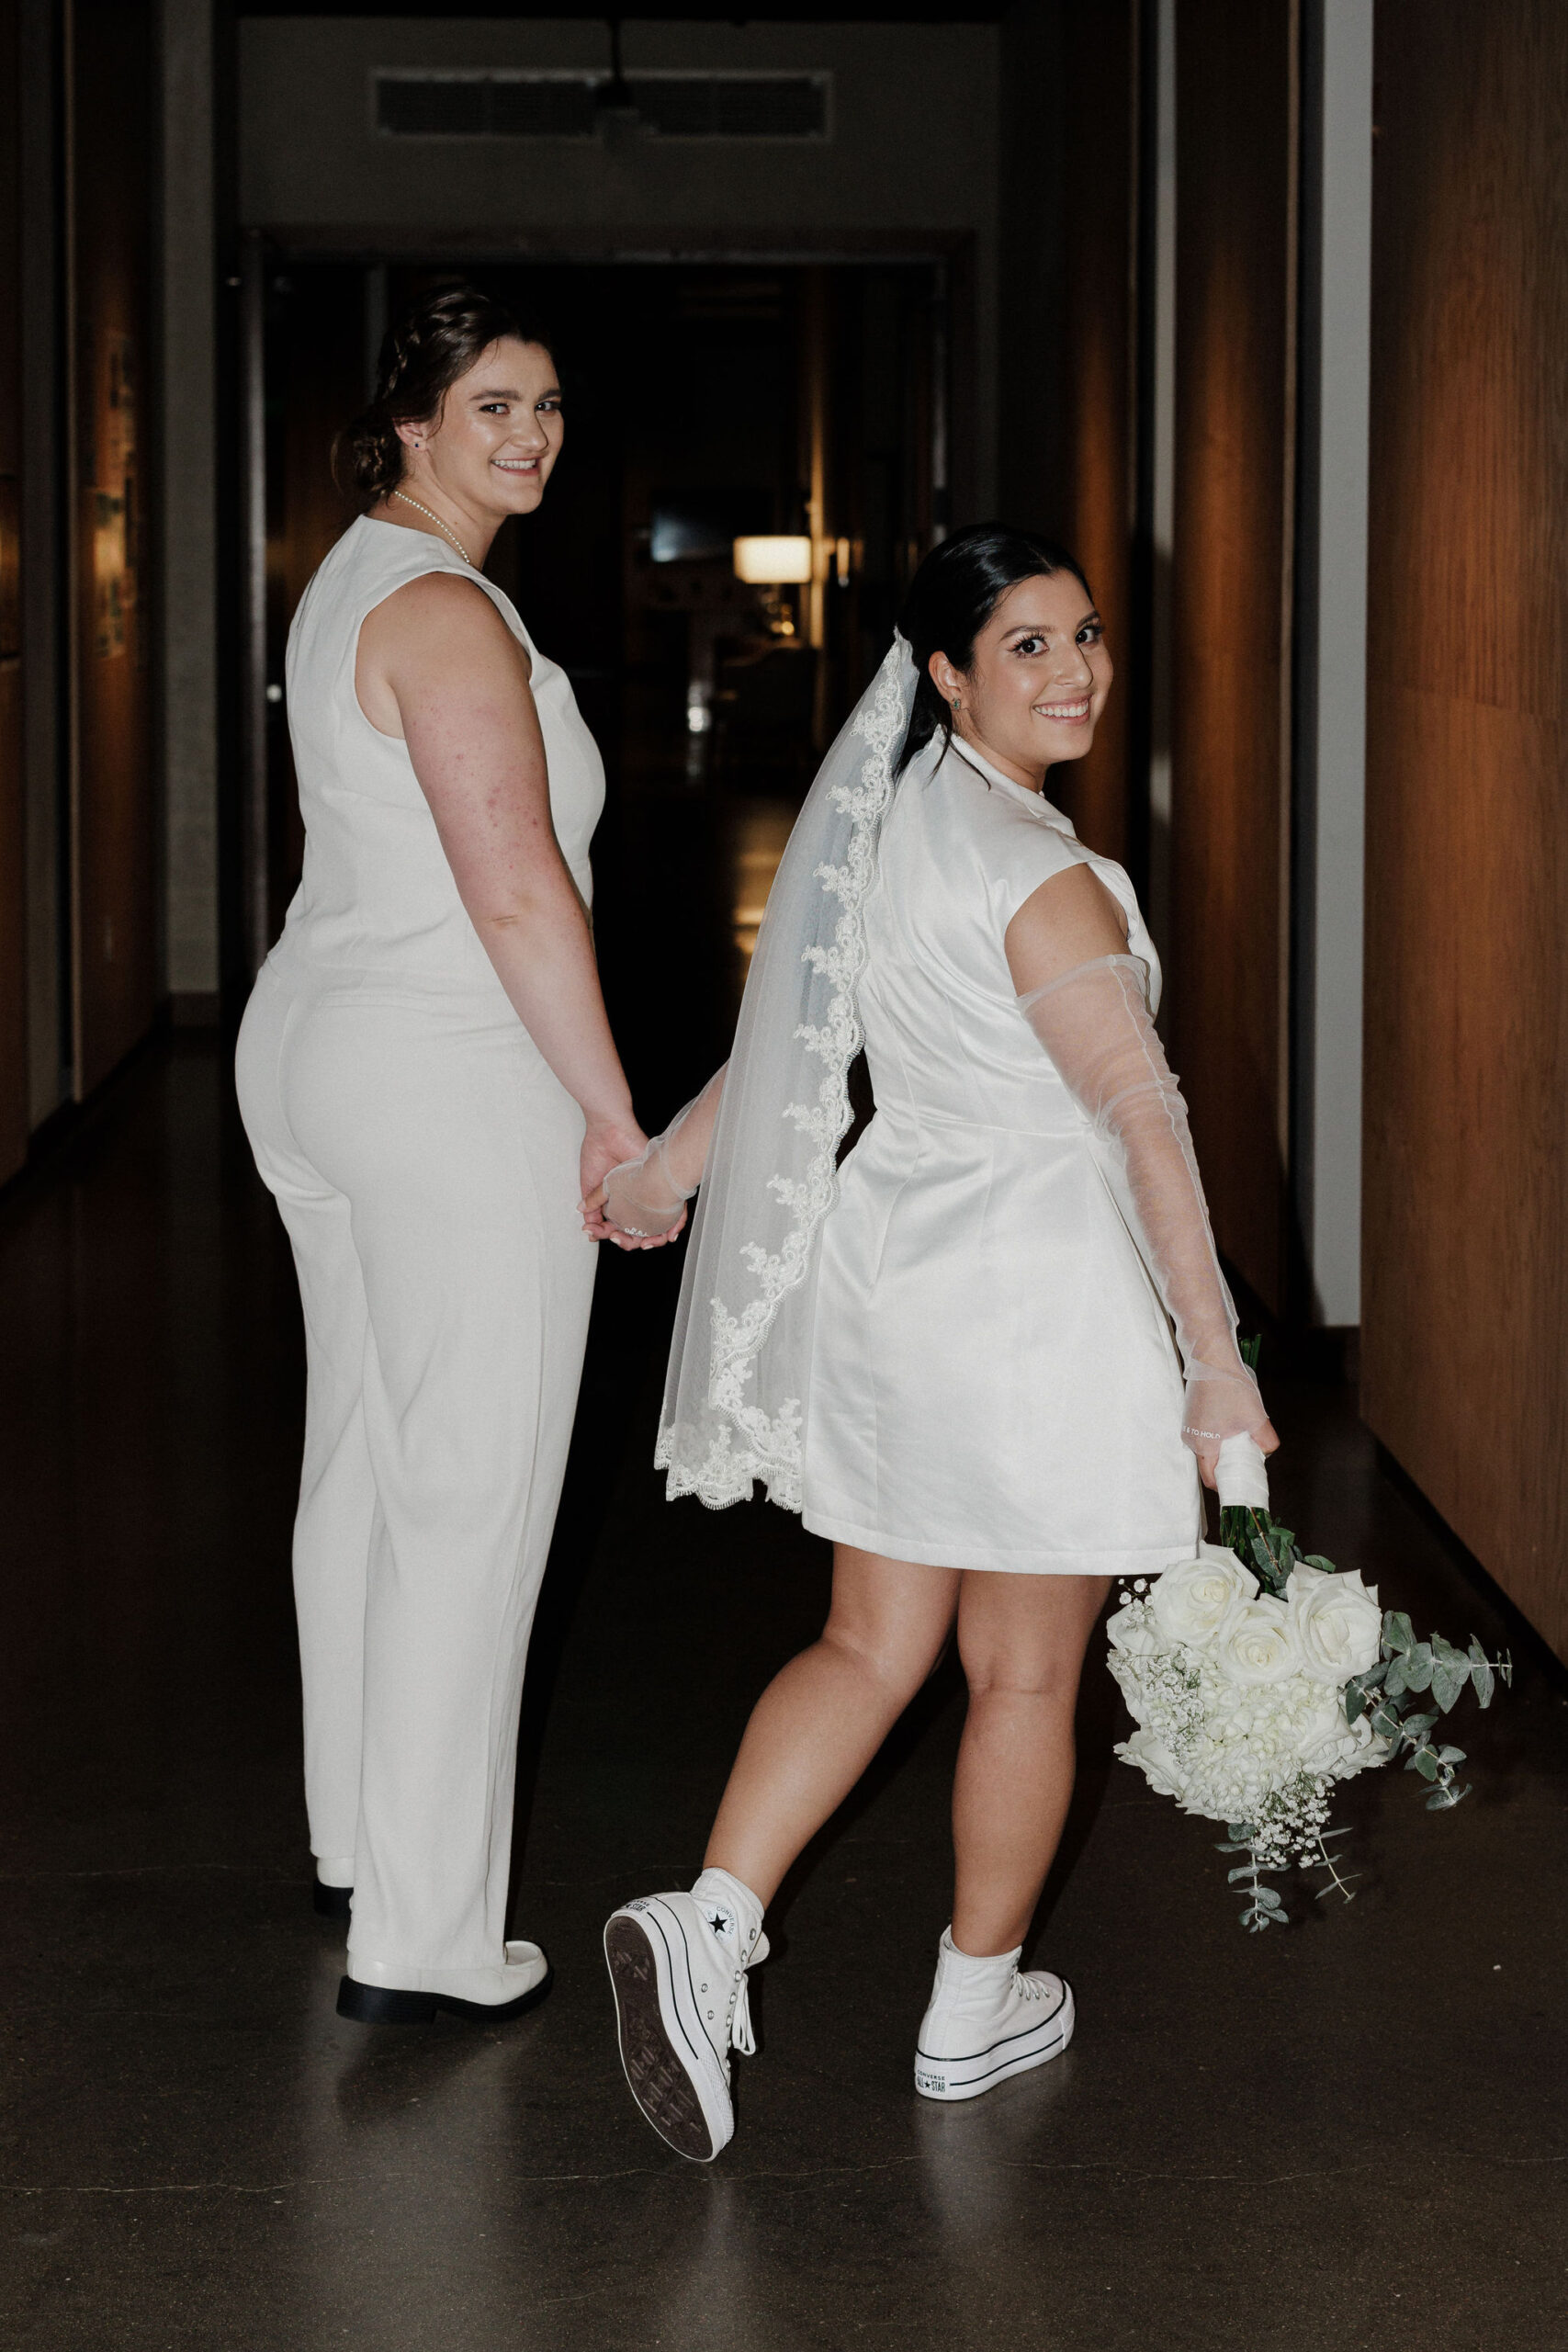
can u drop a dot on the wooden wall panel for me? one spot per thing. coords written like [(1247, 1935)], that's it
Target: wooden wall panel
[(13, 787), (1464, 1370), (1095, 449), (1236, 111), (1066, 392), (113, 846)]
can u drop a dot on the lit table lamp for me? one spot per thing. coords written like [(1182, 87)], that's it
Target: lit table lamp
[(772, 563)]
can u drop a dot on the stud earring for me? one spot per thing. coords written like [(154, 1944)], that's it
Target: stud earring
[(955, 702)]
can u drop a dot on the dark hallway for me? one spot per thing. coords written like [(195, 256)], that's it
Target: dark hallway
[(1257, 310), (1250, 2139)]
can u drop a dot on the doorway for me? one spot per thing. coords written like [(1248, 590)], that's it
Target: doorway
[(705, 403)]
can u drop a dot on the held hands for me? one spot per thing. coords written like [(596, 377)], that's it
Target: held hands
[(619, 1148), (598, 1222)]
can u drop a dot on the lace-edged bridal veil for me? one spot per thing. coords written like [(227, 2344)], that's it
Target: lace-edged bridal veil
[(735, 1401)]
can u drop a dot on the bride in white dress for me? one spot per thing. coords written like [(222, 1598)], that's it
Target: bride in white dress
[(989, 1357)]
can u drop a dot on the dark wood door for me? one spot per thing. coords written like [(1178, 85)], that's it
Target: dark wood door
[(13, 795), (1094, 507), (113, 845), (1230, 611), (1464, 1376)]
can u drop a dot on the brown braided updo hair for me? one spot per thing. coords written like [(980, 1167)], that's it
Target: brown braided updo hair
[(436, 340)]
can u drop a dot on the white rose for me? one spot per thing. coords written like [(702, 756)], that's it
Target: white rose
[(1130, 1631), (1344, 1748), (1339, 1623), (1260, 1645), (1155, 1763), (1198, 1600)]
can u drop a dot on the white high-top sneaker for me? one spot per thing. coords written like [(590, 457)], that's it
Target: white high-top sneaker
[(987, 2020), (678, 1965)]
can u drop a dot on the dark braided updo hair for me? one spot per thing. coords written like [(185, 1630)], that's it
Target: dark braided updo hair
[(952, 596), (436, 340)]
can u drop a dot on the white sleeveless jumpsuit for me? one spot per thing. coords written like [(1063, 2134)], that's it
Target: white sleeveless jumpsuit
[(425, 1162)]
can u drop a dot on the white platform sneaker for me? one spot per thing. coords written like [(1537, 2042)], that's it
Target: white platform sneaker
[(987, 2020), (385, 1992), (678, 1967)]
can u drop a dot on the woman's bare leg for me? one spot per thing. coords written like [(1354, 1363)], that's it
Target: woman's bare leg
[(818, 1724), (1021, 1639)]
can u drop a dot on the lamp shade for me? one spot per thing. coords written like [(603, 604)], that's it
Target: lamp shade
[(772, 562)]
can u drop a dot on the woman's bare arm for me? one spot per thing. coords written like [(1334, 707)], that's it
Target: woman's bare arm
[(438, 666)]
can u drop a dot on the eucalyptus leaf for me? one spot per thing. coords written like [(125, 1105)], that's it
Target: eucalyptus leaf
[(1451, 1755), (1355, 1703), (1398, 1633), (1480, 1674), (1448, 1683), (1424, 1762), (1316, 1560), (1416, 1727), (1396, 1681), (1419, 1666)]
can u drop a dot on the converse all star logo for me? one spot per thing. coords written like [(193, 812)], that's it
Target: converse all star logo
[(721, 1922)]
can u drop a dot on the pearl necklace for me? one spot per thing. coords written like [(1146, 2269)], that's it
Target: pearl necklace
[(440, 526)]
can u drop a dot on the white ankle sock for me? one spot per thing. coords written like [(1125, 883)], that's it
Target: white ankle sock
[(719, 1887)]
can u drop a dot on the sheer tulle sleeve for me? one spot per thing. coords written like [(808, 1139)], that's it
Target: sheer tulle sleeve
[(1095, 1024), (646, 1196)]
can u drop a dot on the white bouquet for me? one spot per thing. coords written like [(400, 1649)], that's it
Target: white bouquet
[(1252, 1693)]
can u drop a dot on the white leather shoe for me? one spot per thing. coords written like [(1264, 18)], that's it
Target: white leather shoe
[(987, 2020), (383, 1992)]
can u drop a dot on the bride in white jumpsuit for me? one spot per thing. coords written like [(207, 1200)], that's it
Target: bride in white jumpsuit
[(429, 1084), (989, 1357)]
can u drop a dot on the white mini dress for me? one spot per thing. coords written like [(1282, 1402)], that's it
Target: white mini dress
[(994, 1383)]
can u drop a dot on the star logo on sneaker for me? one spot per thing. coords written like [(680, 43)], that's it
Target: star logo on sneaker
[(721, 1922)]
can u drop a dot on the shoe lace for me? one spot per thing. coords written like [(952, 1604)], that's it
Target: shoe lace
[(741, 2037)]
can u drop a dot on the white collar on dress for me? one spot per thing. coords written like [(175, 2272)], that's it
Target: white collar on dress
[(982, 768)]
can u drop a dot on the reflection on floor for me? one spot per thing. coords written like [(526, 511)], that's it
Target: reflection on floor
[(1352, 2132), (757, 832)]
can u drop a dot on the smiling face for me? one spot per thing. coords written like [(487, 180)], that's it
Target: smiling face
[(1037, 679), (490, 452)]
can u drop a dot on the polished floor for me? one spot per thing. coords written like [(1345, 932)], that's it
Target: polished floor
[(1352, 2133)]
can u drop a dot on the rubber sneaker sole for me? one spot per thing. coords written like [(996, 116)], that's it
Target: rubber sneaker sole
[(384, 2005), (669, 2064), (967, 2077)]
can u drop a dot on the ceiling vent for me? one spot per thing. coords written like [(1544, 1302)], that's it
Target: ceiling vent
[(520, 105)]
